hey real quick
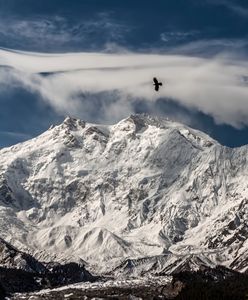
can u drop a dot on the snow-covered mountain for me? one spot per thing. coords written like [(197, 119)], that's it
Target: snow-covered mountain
[(147, 190)]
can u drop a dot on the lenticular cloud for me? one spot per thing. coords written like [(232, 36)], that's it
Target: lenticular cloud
[(216, 86)]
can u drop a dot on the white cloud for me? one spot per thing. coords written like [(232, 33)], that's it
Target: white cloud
[(215, 86), (231, 5), (57, 31), (16, 135), (37, 31), (178, 35)]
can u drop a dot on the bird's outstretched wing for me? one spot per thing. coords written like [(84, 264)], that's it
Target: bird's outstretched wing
[(155, 80), (156, 87)]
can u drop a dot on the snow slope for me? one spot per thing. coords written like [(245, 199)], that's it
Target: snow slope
[(140, 188)]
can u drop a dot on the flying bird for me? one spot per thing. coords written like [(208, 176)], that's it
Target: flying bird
[(156, 84)]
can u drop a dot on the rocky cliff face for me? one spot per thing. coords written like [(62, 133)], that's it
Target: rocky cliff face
[(145, 189)]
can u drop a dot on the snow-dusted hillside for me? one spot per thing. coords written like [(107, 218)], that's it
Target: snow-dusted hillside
[(144, 187)]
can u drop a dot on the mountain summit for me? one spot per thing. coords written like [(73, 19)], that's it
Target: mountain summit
[(145, 190)]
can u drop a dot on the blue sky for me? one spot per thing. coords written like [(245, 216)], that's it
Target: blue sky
[(205, 29)]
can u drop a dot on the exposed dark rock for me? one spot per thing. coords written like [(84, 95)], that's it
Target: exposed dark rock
[(2, 292), (210, 284), (207, 274), (18, 281), (21, 272), (68, 274), (11, 257), (213, 284)]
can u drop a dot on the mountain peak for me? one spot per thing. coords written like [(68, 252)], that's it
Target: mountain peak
[(140, 122), (144, 119), (73, 123)]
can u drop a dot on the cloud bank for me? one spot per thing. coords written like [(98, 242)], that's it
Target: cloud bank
[(86, 83), (57, 32)]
